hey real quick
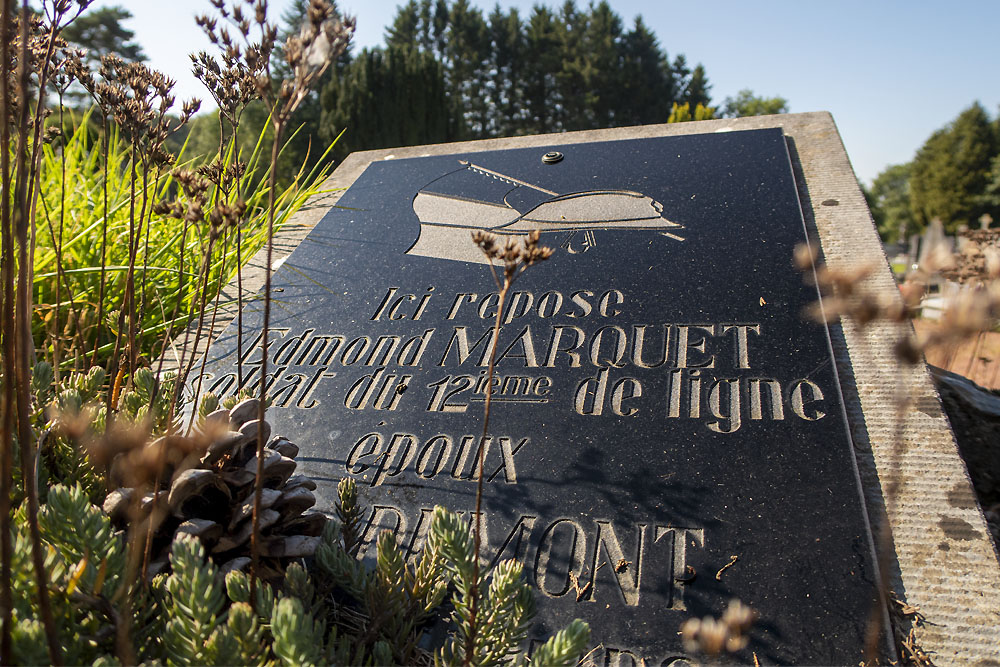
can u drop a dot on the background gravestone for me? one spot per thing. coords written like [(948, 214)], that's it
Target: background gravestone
[(662, 409)]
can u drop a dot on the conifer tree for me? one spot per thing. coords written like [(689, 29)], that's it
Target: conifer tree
[(405, 28), (392, 97), (567, 69), (647, 82), (466, 55), (991, 194), (506, 60), (951, 170), (572, 75), (426, 26), (100, 32), (696, 88), (541, 64), (603, 51)]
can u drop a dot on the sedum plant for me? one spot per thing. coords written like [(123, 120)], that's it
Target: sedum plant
[(335, 612), (72, 413), (398, 599), (85, 561)]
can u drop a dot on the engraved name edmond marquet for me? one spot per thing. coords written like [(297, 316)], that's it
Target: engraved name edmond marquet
[(473, 197)]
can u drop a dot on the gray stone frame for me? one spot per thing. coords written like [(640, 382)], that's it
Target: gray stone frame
[(939, 555)]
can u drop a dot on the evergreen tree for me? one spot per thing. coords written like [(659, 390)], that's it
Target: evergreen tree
[(603, 51), (951, 171), (558, 70), (696, 88), (682, 74), (405, 29), (991, 193), (540, 67), (506, 59), (572, 75), (466, 54), (890, 204), (647, 85), (385, 98), (426, 27), (440, 27), (100, 32)]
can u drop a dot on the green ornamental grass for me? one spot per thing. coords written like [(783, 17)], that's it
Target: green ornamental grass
[(67, 276)]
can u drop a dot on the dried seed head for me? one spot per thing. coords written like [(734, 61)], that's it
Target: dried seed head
[(738, 617), (912, 292), (119, 437), (487, 242), (972, 311), (713, 637), (866, 310), (896, 312), (74, 426), (908, 350), (827, 310), (516, 253), (805, 256)]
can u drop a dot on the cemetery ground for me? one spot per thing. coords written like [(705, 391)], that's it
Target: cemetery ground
[(706, 475)]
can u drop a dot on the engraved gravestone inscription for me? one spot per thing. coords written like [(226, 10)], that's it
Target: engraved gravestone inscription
[(667, 430)]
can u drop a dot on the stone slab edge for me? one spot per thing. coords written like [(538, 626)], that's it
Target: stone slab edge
[(940, 556), (225, 307)]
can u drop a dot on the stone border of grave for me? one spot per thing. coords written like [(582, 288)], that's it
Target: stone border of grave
[(942, 559), (286, 240)]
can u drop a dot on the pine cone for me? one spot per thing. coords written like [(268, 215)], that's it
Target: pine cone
[(214, 499)]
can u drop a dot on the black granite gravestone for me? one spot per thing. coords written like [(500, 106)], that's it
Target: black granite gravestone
[(661, 409)]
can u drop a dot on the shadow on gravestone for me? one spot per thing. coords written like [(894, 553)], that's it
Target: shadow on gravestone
[(660, 406)]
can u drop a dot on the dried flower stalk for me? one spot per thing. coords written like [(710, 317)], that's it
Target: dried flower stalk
[(515, 255), (321, 40)]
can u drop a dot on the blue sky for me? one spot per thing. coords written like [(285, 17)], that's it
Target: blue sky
[(890, 71)]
